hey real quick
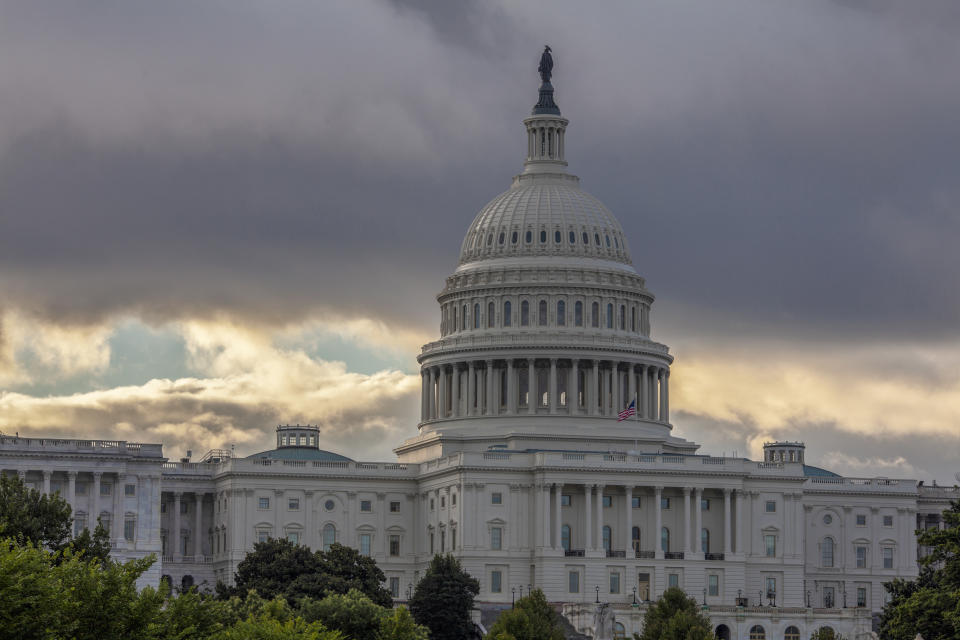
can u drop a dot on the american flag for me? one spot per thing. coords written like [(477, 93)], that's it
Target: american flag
[(629, 411)]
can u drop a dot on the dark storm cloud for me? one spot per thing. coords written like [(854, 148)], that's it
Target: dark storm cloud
[(790, 169)]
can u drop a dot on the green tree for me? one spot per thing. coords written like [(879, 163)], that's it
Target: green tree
[(28, 515), (675, 617), (929, 605), (277, 567), (267, 628), (354, 614), (443, 600), (343, 569), (532, 618), (826, 633), (400, 625), (95, 546)]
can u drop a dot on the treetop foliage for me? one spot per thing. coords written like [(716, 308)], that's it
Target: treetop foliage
[(532, 618), (443, 600), (675, 616)]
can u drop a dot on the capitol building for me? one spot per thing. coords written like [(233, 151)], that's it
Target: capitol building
[(545, 457)]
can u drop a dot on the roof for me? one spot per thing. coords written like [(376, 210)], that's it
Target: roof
[(301, 453), (817, 471)]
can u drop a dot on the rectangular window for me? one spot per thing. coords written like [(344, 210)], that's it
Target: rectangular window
[(705, 504), (184, 507), (608, 501), (366, 506), (293, 504), (394, 587), (861, 596), (888, 521), (496, 582), (496, 498), (673, 580), (771, 588), (81, 488), (443, 502), (294, 537), (394, 545), (453, 499), (861, 557), (888, 557), (771, 506), (263, 503), (163, 507), (573, 582), (713, 585), (79, 524), (129, 490), (394, 507), (861, 520), (614, 582), (565, 500), (453, 538), (106, 489), (496, 538), (431, 504), (770, 541), (664, 503), (129, 529), (365, 544), (636, 502), (263, 535), (431, 543)]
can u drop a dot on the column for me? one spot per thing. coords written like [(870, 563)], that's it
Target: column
[(666, 395), (455, 392), (491, 408), (116, 531), (631, 389), (573, 384), (615, 387), (658, 523), (738, 548), (175, 538), (471, 389), (432, 394), (553, 386), (531, 386), (95, 500), (726, 521), (698, 518), (546, 515), (72, 490), (424, 386), (642, 401), (686, 520), (442, 393), (198, 527), (587, 527), (599, 523), (605, 395), (628, 522), (46, 481), (308, 537), (382, 528), (663, 385), (511, 389), (557, 516), (595, 383)]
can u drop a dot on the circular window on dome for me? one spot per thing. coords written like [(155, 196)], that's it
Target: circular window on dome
[(573, 238), (827, 519), (543, 236), (513, 238), (586, 238), (556, 236), (596, 239), (329, 505), (529, 237), (501, 238)]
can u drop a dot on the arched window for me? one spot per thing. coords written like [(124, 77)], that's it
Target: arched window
[(633, 319), (463, 318), (607, 538), (573, 237), (609, 316), (513, 238), (454, 318), (722, 632), (619, 631), (586, 238), (791, 633), (528, 237), (565, 537), (501, 238), (524, 314), (476, 316), (543, 236), (635, 534), (608, 242), (596, 238), (557, 237), (616, 243), (489, 239), (826, 552), (329, 536), (623, 317), (757, 633), (542, 315), (665, 539), (705, 540), (491, 314), (561, 313), (186, 583), (595, 315), (578, 314), (506, 314)]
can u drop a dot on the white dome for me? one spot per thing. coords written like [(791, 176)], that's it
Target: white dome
[(551, 217)]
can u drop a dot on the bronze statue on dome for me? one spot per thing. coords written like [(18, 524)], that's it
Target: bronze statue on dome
[(546, 64)]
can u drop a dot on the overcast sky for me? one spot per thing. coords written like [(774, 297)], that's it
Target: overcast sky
[(220, 216)]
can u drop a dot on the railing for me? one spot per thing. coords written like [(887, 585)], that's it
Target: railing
[(496, 456), (71, 444), (573, 553), (646, 554), (616, 554), (713, 556), (673, 555), (534, 339)]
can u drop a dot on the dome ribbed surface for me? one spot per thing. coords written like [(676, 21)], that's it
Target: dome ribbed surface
[(526, 220)]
